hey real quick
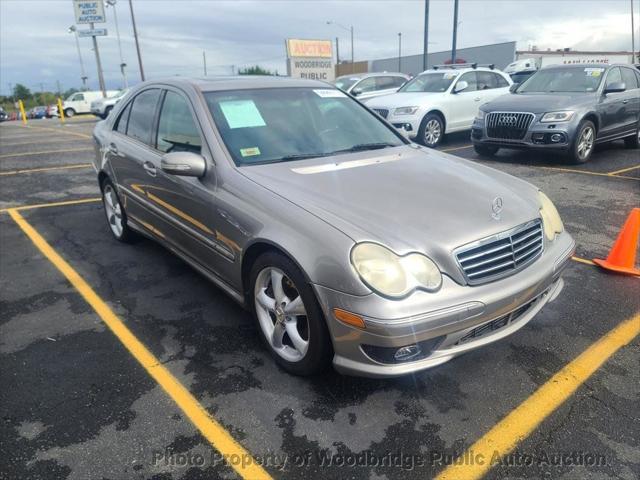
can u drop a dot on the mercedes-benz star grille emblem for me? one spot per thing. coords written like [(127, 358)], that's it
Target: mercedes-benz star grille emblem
[(496, 207)]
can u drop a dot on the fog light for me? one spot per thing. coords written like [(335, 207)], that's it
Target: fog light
[(556, 137), (407, 353)]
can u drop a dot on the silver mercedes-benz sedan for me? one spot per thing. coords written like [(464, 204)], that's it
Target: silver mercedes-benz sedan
[(348, 243)]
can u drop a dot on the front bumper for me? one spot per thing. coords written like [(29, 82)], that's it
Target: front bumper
[(409, 123), (543, 136), (445, 324)]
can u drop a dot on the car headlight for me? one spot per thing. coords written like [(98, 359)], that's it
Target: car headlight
[(551, 221), (405, 110), (550, 117), (480, 115), (392, 275)]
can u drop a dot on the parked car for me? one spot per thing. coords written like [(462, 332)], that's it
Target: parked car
[(370, 85), (80, 102), (103, 106), (348, 243), (52, 111), (4, 116), (37, 112), (568, 108), (442, 100)]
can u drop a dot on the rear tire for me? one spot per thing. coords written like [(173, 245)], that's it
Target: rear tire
[(583, 143), (297, 338), (431, 130), (115, 213), (486, 150), (69, 112), (633, 141)]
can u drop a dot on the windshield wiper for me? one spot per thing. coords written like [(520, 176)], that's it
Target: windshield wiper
[(360, 147), (299, 156)]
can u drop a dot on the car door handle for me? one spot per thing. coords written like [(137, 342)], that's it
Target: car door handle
[(150, 168), (114, 150), (625, 101)]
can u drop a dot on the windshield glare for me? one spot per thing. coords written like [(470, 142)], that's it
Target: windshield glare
[(283, 124), (430, 82), (568, 80), (345, 83)]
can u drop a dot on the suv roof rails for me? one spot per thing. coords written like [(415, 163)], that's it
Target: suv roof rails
[(464, 65)]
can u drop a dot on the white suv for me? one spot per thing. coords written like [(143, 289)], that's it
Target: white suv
[(442, 100)]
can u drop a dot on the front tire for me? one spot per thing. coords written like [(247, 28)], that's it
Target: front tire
[(583, 143), (288, 315), (69, 112), (431, 130), (486, 150), (115, 213)]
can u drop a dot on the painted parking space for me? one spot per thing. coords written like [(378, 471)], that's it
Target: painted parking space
[(321, 424)]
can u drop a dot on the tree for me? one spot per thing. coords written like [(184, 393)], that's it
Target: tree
[(20, 92), (255, 70), (69, 92)]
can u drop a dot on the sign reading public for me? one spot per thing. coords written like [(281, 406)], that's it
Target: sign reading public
[(310, 59), (89, 11)]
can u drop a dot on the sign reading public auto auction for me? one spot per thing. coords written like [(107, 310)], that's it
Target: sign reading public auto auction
[(310, 59), (89, 11)]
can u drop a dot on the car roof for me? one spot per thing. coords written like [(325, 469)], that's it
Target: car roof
[(461, 70), (239, 82), (374, 74)]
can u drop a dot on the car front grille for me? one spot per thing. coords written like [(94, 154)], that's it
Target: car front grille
[(383, 112), (508, 125), (501, 255)]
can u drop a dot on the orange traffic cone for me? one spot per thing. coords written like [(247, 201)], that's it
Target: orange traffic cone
[(622, 257)]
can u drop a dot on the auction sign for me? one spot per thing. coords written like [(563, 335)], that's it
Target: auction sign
[(89, 11), (310, 59)]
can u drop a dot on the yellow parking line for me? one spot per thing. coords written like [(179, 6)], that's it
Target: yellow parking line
[(219, 438), (521, 422), (586, 172), (623, 170), (45, 169), (46, 152), (456, 148), (52, 204), (582, 260)]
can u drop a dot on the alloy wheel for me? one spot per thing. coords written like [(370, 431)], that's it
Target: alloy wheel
[(113, 210), (432, 132), (585, 142), (281, 314)]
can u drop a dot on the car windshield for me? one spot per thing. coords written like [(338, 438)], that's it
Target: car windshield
[(121, 93), (567, 80), (284, 124), (345, 83), (430, 82)]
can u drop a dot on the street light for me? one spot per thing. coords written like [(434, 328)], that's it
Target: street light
[(400, 51), (112, 3), (348, 29), (74, 30)]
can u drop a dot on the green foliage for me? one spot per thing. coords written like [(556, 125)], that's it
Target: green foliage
[(255, 70), (20, 92)]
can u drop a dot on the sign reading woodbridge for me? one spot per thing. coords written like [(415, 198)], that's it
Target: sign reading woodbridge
[(310, 59)]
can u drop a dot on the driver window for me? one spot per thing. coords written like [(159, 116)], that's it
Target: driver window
[(470, 78), (177, 132), (78, 97), (366, 85), (614, 76)]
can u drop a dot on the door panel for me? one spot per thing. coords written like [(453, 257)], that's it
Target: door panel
[(463, 106), (632, 98), (612, 107)]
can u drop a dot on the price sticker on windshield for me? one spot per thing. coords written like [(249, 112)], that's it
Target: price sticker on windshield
[(593, 72), (329, 93)]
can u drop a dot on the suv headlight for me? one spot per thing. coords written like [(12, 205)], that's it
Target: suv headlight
[(551, 117), (392, 275), (551, 221), (405, 111), (480, 115)]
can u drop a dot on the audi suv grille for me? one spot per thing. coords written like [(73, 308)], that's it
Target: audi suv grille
[(383, 112), (508, 125), (501, 255)]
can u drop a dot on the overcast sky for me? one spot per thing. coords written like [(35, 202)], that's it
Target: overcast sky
[(36, 48)]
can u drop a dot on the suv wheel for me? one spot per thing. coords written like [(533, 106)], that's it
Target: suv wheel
[(289, 317), (583, 143), (633, 141), (69, 112), (116, 216), (486, 150), (431, 130)]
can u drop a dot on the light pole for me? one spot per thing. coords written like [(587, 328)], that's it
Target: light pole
[(74, 30), (123, 65), (400, 51), (135, 36), (455, 32), (425, 52), (350, 30)]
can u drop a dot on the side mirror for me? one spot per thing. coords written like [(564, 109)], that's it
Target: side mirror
[(460, 86), (185, 164), (356, 91), (514, 87), (615, 87)]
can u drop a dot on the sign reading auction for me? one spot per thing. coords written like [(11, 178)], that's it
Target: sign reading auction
[(89, 11), (310, 59)]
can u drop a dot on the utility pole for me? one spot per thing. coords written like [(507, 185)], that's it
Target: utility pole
[(425, 52), (400, 52), (98, 63), (633, 37), (83, 75), (125, 83), (337, 51), (353, 68), (135, 36), (455, 32), (204, 62)]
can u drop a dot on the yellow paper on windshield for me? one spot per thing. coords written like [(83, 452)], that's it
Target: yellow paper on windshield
[(242, 114)]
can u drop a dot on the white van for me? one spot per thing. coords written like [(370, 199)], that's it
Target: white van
[(80, 102)]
